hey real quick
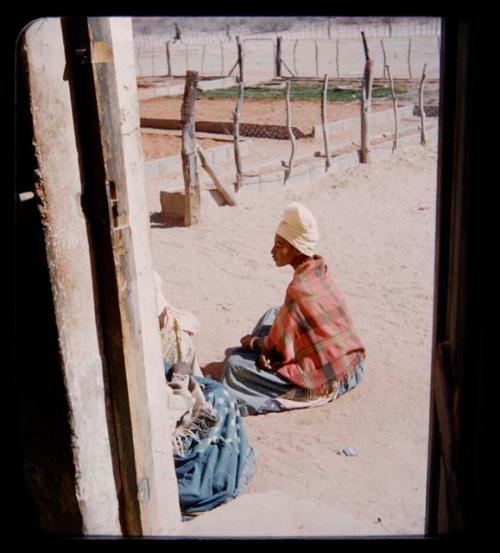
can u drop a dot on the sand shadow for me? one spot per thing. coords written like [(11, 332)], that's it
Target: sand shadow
[(215, 370), (157, 220)]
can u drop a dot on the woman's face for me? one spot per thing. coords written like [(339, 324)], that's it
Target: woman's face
[(283, 252)]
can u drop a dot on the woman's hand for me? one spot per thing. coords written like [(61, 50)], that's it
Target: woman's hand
[(264, 361)]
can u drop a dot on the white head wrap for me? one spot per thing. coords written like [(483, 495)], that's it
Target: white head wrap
[(299, 228)]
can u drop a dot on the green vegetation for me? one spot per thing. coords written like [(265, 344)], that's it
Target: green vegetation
[(299, 91)]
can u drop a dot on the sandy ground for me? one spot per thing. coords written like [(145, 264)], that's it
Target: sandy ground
[(377, 234)]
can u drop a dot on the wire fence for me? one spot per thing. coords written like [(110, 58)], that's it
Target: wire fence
[(301, 57)]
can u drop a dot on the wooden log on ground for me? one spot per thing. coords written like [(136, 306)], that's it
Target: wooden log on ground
[(236, 135), (395, 108), (324, 95), (366, 96), (188, 154), (228, 197), (288, 170), (423, 137)]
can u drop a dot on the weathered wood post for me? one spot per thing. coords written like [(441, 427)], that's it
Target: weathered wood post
[(423, 137), (278, 57), (394, 105), (324, 97), (409, 59), (385, 57), (192, 203), (169, 64), (337, 58), (236, 135), (316, 55), (366, 97), (288, 170), (202, 59), (226, 195), (240, 57), (295, 56)]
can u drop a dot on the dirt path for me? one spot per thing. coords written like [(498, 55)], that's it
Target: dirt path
[(377, 234)]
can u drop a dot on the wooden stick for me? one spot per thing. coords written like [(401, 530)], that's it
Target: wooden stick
[(236, 134), (294, 55), (228, 197), (385, 57), (366, 96), (240, 57), (394, 105), (188, 153), (337, 55), (221, 59), (409, 58), (316, 56), (169, 66), (288, 69), (278, 57), (423, 138), (202, 59), (233, 68), (323, 122), (288, 171)]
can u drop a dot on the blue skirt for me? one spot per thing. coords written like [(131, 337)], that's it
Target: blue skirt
[(217, 468)]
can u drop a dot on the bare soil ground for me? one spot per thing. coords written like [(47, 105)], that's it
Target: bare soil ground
[(377, 234)]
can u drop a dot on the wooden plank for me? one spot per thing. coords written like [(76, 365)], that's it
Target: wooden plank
[(228, 197)]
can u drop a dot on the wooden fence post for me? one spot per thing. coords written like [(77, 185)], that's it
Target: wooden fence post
[(366, 96), (324, 121), (294, 56), (278, 56), (202, 59), (409, 58), (385, 57), (288, 170), (188, 154), (221, 58), (317, 57), (423, 138), (394, 105), (169, 66), (236, 134), (240, 57), (337, 56)]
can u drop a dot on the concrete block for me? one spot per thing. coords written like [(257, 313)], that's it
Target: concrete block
[(172, 204)]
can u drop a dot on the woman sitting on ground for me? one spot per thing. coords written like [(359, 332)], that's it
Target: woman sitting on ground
[(306, 352)]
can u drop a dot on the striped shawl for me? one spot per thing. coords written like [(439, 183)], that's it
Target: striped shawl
[(312, 334)]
